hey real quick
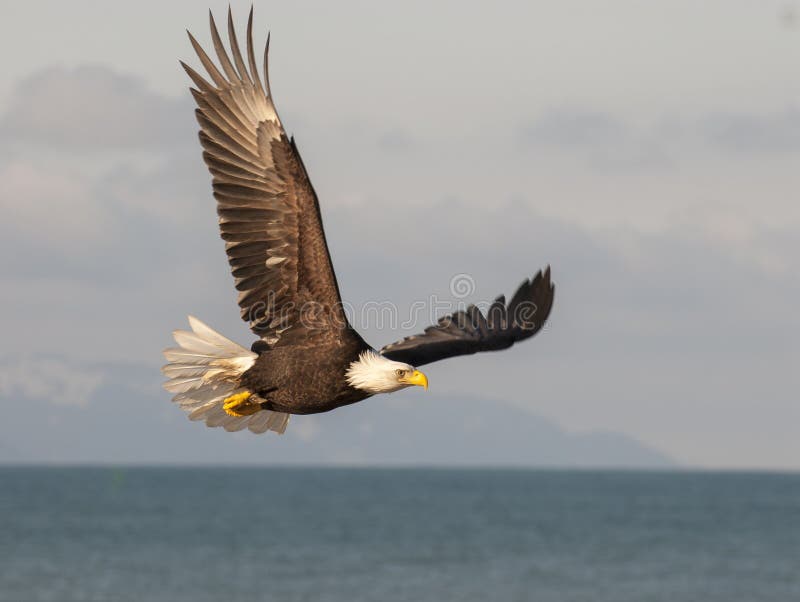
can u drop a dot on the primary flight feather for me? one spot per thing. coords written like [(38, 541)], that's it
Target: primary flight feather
[(308, 358)]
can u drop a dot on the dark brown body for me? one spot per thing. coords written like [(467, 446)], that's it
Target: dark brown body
[(308, 378)]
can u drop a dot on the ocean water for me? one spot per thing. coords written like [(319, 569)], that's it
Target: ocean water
[(220, 534)]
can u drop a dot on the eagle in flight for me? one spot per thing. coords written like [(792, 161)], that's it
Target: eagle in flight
[(308, 358)]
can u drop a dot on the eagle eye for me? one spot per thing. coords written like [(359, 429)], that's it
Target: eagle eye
[(400, 372)]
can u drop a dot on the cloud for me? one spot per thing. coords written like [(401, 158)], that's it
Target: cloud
[(48, 379), (48, 203), (601, 139), (778, 131), (576, 127), (607, 140), (105, 226), (91, 108), (619, 282), (87, 217), (151, 243)]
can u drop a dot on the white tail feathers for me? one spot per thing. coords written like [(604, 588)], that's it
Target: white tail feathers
[(204, 370)]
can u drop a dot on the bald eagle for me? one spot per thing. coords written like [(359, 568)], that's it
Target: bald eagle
[(308, 358)]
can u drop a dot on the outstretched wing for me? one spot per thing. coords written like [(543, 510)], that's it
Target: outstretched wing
[(268, 212), (469, 331)]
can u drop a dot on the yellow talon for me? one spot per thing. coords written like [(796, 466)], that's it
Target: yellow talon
[(237, 405)]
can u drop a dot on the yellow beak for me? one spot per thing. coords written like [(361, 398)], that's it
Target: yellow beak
[(417, 378)]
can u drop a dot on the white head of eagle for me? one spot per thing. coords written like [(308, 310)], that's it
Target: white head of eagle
[(375, 373)]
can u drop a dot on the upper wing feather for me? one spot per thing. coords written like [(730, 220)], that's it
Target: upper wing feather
[(268, 211), (469, 331)]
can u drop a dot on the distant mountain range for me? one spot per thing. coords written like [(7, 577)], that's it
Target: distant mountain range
[(129, 419)]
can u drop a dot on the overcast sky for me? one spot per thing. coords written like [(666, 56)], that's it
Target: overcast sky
[(649, 151)]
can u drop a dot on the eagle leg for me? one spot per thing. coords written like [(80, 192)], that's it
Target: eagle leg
[(240, 404)]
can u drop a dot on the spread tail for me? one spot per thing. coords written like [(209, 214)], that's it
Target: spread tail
[(204, 370)]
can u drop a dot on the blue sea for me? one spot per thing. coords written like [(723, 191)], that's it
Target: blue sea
[(346, 535)]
